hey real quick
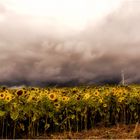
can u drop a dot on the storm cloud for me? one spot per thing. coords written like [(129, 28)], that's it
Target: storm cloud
[(36, 50)]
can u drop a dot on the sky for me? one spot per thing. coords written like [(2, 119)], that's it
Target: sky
[(69, 41)]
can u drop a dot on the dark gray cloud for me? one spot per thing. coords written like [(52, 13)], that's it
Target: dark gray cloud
[(34, 52)]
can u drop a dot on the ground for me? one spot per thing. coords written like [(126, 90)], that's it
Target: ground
[(115, 132)]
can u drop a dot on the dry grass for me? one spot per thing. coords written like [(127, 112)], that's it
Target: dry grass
[(114, 132)]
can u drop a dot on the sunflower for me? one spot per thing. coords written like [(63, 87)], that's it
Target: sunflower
[(100, 100), (57, 105), (104, 105), (97, 93), (63, 92), (19, 92), (113, 89), (46, 91), (4, 88), (120, 99), (32, 88), (8, 98), (86, 96), (26, 94), (6, 91), (65, 99), (31, 98), (74, 91), (106, 94), (52, 96), (36, 90), (2, 95), (78, 97)]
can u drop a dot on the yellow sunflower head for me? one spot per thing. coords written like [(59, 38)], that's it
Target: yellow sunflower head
[(104, 105), (37, 90), (86, 96), (46, 91), (65, 99), (2, 95), (100, 100), (8, 98), (52, 96), (97, 93), (32, 98), (107, 94), (6, 91), (120, 99)]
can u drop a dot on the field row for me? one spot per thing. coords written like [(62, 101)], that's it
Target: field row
[(33, 111)]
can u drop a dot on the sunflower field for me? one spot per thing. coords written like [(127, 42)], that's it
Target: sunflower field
[(31, 111)]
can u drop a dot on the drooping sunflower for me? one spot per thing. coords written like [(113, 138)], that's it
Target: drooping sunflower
[(32, 88), (19, 92), (74, 91), (4, 88), (55, 101), (57, 105), (52, 96)]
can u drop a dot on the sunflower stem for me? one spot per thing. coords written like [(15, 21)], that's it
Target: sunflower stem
[(14, 130), (6, 128), (81, 121), (85, 119), (69, 124), (77, 121), (37, 129), (3, 128)]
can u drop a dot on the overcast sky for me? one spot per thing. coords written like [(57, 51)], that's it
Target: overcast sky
[(64, 41)]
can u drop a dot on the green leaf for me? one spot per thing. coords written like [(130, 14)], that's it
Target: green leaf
[(34, 118), (46, 126), (60, 116), (78, 109), (14, 115), (118, 109), (51, 114), (2, 113), (136, 115), (55, 121), (72, 117), (132, 107)]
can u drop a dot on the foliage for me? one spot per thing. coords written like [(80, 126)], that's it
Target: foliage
[(33, 111)]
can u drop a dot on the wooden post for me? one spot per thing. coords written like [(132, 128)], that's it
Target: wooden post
[(122, 75)]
